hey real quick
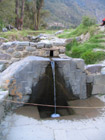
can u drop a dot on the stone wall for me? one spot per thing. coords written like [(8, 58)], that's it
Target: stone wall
[(11, 52)]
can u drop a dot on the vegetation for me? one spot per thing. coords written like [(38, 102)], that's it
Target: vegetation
[(87, 25), (85, 50), (22, 13), (22, 34)]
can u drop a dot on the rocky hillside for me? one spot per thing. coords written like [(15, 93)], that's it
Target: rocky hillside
[(70, 12)]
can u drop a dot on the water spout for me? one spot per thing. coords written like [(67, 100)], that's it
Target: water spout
[(53, 71)]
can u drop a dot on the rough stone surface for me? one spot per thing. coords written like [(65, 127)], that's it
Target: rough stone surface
[(30, 49), (19, 48), (5, 47), (80, 64), (103, 71), (40, 45), (99, 84), (10, 50), (48, 45), (15, 76), (5, 56), (96, 68), (17, 54), (90, 79), (85, 37), (2, 67), (23, 43), (21, 76), (73, 76), (62, 50), (3, 95)]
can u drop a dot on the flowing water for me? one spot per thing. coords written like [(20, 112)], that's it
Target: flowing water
[(53, 71)]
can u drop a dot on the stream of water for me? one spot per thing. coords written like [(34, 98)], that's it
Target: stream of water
[(53, 71)]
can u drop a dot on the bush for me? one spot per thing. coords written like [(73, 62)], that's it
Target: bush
[(87, 21), (71, 44), (77, 51), (91, 57)]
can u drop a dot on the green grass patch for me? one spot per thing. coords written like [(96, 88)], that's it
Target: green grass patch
[(18, 35), (81, 29), (85, 50), (93, 57)]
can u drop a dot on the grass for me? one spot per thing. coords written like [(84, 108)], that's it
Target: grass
[(81, 29), (85, 50), (19, 35)]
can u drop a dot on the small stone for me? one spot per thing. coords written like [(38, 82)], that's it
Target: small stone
[(48, 45), (2, 39), (10, 50), (36, 53), (5, 47), (32, 44), (46, 53), (4, 30), (62, 50), (17, 55), (23, 43), (30, 49), (56, 53), (25, 54), (5, 56), (40, 45), (78, 38), (96, 68), (20, 48), (69, 40)]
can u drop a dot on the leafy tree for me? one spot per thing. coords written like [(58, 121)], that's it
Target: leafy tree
[(37, 10)]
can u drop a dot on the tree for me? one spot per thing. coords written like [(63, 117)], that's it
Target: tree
[(19, 6), (37, 10)]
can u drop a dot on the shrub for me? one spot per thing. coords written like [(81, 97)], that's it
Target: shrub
[(91, 57), (77, 51), (87, 21), (71, 44)]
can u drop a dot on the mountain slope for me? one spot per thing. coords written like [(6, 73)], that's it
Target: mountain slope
[(70, 12)]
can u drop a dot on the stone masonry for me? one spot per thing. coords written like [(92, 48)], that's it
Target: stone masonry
[(11, 52), (21, 76)]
